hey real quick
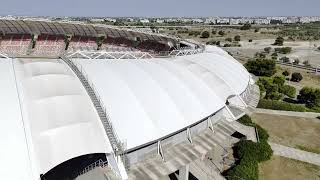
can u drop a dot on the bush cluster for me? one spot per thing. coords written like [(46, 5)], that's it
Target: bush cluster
[(261, 67), (246, 26), (283, 50), (280, 105), (288, 91), (274, 88), (279, 41), (286, 73), (237, 38), (310, 96), (205, 34), (250, 154)]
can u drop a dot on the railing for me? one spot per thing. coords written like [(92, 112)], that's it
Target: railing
[(132, 54), (117, 146), (99, 163), (3, 55)]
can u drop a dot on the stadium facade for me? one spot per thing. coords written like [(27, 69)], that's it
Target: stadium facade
[(93, 102)]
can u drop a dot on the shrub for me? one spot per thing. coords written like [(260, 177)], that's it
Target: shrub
[(205, 34), (260, 55), (246, 120), (285, 59), (261, 67), (211, 42), (274, 95), (214, 32), (288, 91), (237, 38), (258, 152), (279, 105), (250, 40), (306, 63), (250, 154), (246, 26), (279, 41), (246, 169), (221, 33), (286, 73), (279, 80), (229, 39), (267, 49), (296, 61), (275, 54), (262, 133), (284, 50), (296, 77), (319, 48), (310, 96), (256, 30)]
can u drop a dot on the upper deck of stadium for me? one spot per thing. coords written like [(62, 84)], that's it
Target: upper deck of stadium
[(22, 38)]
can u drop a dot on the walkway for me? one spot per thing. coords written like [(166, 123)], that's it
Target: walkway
[(297, 154), (287, 113)]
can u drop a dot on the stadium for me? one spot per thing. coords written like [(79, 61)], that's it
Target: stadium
[(83, 101)]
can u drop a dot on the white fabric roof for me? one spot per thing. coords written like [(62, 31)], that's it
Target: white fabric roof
[(60, 119), (14, 154), (149, 99), (55, 119)]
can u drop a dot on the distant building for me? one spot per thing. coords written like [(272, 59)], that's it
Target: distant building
[(144, 21), (223, 21)]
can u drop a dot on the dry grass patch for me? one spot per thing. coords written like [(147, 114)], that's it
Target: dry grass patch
[(309, 79), (291, 131), (280, 168)]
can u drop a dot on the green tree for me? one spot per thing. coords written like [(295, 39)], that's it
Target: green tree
[(288, 91), (246, 26), (229, 39), (205, 34), (237, 38), (286, 73), (285, 59), (221, 33), (267, 49), (284, 50), (279, 80), (310, 96), (296, 77), (261, 67), (279, 41), (306, 63)]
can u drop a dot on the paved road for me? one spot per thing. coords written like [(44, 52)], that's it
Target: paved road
[(297, 154), (287, 113)]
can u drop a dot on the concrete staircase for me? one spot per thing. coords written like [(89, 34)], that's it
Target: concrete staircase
[(251, 97)]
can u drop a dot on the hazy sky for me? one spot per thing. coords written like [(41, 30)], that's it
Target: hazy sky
[(161, 7)]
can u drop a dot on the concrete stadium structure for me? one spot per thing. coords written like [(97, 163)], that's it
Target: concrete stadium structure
[(165, 110)]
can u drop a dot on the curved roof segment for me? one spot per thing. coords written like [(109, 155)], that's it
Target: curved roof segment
[(149, 99), (60, 120), (14, 148)]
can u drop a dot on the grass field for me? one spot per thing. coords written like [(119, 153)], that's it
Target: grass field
[(280, 168), (309, 79), (296, 132)]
